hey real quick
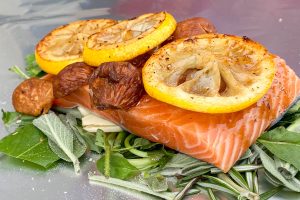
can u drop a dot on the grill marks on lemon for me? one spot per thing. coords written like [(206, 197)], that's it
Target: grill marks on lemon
[(129, 38), (64, 45), (211, 73)]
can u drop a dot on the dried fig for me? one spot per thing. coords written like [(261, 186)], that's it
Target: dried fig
[(193, 26), (116, 85), (33, 97), (71, 78)]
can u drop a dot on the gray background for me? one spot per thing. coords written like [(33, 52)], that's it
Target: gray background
[(274, 23)]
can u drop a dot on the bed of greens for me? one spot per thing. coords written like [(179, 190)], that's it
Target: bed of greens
[(139, 165)]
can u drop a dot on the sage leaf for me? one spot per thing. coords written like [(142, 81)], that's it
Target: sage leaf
[(60, 137), (156, 182), (79, 143), (269, 165), (119, 167), (79, 149), (287, 170), (132, 186), (271, 179), (284, 144), (30, 144), (181, 160)]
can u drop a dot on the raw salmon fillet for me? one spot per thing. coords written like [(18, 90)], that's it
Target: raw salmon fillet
[(219, 139)]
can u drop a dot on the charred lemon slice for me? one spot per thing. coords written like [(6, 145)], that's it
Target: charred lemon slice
[(129, 38), (210, 73), (64, 45)]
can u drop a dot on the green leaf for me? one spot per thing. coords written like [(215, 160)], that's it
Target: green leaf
[(271, 179), (249, 179), (287, 170), (118, 143), (156, 182), (243, 193), (144, 144), (139, 142), (131, 148), (78, 149), (28, 143), (90, 139), (270, 193), (211, 194), (185, 190), (70, 111), (238, 178), (100, 138), (269, 165), (119, 167), (32, 68), (196, 174), (290, 116), (13, 118), (79, 143), (132, 186), (10, 117), (220, 186), (180, 161), (295, 126), (61, 138), (284, 144)]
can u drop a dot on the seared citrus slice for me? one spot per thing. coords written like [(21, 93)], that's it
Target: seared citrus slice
[(64, 45), (129, 38), (211, 73)]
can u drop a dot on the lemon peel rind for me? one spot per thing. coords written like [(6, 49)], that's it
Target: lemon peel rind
[(132, 48), (54, 64), (193, 102), (54, 67)]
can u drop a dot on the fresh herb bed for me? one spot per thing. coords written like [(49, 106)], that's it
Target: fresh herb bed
[(143, 166)]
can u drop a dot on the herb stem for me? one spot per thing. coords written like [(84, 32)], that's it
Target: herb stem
[(18, 71), (120, 139), (243, 192), (133, 150), (181, 194), (142, 163), (107, 149)]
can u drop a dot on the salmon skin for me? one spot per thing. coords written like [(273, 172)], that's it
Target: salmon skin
[(219, 139)]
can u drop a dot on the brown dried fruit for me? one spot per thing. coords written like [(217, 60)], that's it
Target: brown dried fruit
[(116, 85), (71, 78), (193, 26), (33, 97)]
